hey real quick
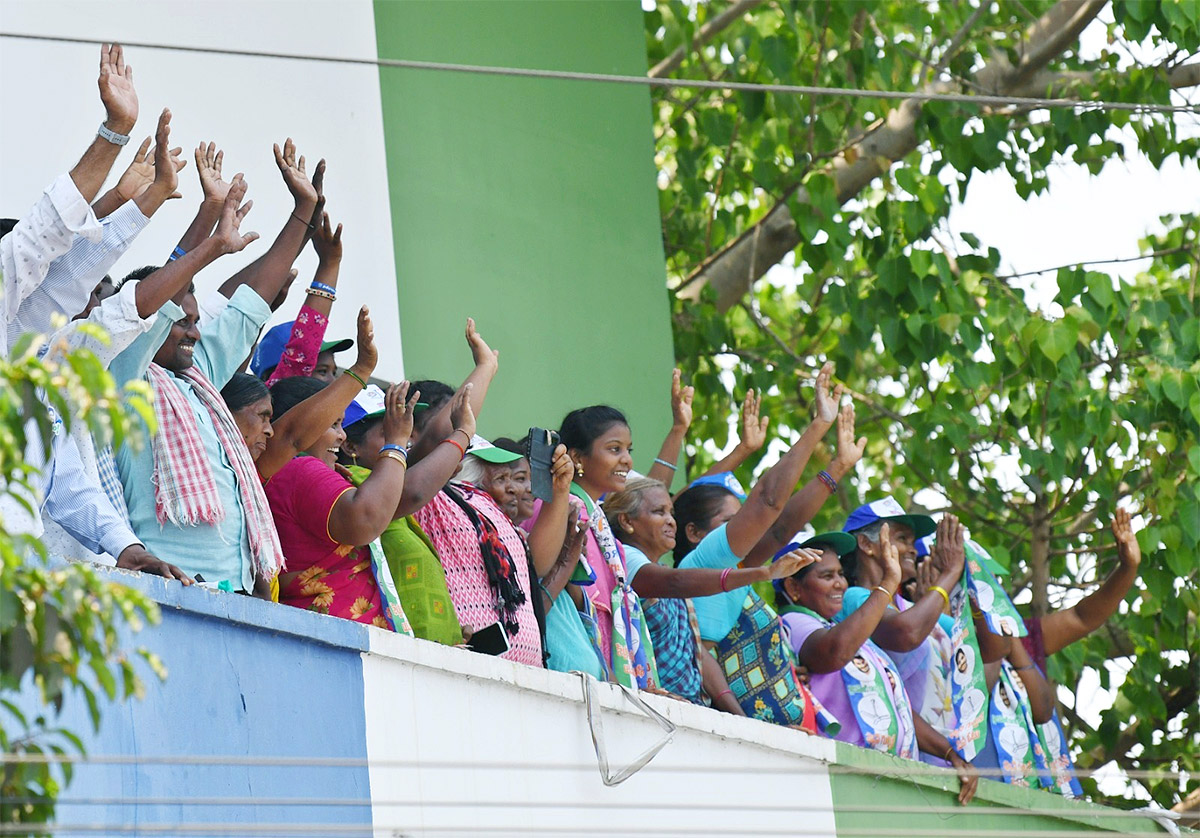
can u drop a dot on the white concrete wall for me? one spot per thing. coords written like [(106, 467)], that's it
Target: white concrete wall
[(511, 754), (50, 108)]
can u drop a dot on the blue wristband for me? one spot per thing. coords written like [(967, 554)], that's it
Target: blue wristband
[(321, 286), (397, 448), (176, 253)]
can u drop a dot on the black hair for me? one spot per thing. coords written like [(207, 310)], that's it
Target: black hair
[(286, 393), (136, 276), (433, 393), (697, 505), (243, 390), (581, 428), (514, 446), (6, 226)]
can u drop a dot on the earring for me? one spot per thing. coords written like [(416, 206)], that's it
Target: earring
[(578, 470), (354, 458), (628, 528)]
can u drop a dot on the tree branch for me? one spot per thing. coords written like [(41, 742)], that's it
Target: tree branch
[(705, 34)]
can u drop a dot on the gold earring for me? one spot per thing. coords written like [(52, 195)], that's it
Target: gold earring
[(578, 470), (628, 528)]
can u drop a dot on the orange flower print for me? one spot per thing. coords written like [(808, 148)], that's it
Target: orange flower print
[(361, 606)]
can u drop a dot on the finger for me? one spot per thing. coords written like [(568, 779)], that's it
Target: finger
[(300, 165), (838, 391), (119, 58), (337, 234), (141, 152), (278, 156), (675, 374)]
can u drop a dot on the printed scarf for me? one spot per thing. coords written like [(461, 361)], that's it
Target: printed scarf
[(185, 490), (632, 662), (1024, 747), (497, 562), (968, 686)]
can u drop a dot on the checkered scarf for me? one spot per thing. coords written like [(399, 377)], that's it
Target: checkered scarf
[(185, 491)]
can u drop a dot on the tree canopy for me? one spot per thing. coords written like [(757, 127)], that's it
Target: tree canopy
[(1032, 422)]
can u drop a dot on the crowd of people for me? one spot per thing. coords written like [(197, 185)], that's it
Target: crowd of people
[(302, 483)]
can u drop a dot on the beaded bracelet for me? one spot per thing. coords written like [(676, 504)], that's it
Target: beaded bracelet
[(356, 377), (317, 292), (321, 286), (827, 478), (665, 463)]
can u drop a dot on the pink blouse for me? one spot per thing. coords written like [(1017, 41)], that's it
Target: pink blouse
[(304, 345)]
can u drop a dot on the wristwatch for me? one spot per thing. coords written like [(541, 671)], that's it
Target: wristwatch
[(112, 136)]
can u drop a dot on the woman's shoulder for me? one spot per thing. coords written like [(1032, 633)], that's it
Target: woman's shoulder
[(305, 474)]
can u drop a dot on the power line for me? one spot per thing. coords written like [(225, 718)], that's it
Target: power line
[(610, 78)]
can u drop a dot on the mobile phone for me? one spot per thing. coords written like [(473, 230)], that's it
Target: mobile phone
[(489, 640), (541, 454)]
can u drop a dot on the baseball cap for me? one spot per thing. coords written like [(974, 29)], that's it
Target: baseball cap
[(725, 480), (842, 543), (271, 345), (489, 453), (887, 509), (369, 402)]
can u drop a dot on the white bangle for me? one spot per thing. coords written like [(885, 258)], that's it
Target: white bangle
[(106, 133)]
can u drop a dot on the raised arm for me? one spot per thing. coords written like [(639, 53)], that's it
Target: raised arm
[(769, 497), (303, 425), (435, 469), (551, 528), (903, 631), (133, 182), (752, 436), (802, 507), (121, 113), (362, 514), (209, 159), (828, 650), (655, 580), (1062, 628), (568, 557), (664, 467), (267, 274)]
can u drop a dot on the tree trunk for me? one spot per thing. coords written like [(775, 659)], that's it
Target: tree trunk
[(1039, 558)]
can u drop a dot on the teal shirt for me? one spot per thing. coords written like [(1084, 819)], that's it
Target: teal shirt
[(221, 551), (716, 615)]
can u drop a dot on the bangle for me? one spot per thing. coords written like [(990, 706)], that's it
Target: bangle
[(106, 133), (356, 377), (722, 693), (321, 286), (949, 750), (461, 450), (176, 253), (827, 478), (725, 578), (393, 454), (317, 292), (884, 591), (399, 449), (941, 591), (307, 224), (466, 435), (665, 463)]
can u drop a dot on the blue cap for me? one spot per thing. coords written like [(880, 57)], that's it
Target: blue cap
[(887, 509), (842, 543), (924, 545), (271, 345), (725, 480)]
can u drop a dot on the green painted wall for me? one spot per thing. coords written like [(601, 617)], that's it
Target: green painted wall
[(530, 205), (889, 804)]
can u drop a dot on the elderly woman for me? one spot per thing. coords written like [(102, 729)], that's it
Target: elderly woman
[(641, 516), (326, 525), (850, 675)]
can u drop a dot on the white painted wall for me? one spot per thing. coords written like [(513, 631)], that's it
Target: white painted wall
[(50, 107), (516, 756)]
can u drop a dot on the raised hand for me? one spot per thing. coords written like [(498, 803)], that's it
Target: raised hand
[(793, 562), (398, 414), (1128, 549), (462, 416), (294, 176), (572, 547), (208, 166), (318, 183), (949, 548), (139, 175), (849, 450), (826, 404), (753, 428), (368, 354), (327, 241), (681, 402), (116, 90), (891, 559), (562, 471), (228, 234), (167, 161), (927, 576), (483, 354)]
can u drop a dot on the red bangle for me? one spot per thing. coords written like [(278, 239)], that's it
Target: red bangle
[(725, 578), (462, 450)]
